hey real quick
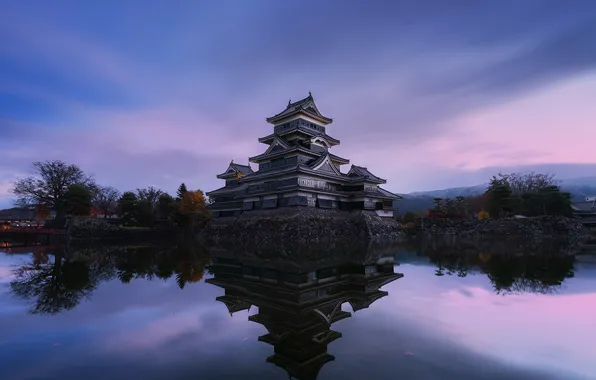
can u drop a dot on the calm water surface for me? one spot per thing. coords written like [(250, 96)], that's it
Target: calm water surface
[(182, 313)]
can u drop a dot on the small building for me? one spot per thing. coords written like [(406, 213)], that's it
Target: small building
[(17, 214), (21, 214), (586, 210), (298, 169)]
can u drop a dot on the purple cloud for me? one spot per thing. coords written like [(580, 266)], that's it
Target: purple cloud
[(424, 95)]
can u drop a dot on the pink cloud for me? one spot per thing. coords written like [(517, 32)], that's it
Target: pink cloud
[(539, 127), (525, 329), (157, 333), (554, 125)]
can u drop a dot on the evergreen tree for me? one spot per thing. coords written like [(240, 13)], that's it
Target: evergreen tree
[(181, 191)]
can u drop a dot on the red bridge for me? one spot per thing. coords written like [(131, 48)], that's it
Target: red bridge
[(34, 231), (17, 236)]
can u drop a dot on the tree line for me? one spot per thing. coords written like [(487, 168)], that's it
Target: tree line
[(61, 284), (528, 194), (69, 191)]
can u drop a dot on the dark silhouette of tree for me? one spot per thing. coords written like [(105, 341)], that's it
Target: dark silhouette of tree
[(61, 284), (106, 200), (181, 191), (77, 200), (49, 184), (150, 195), (523, 183), (54, 287), (166, 206), (147, 205), (127, 207), (509, 274), (529, 194), (498, 202), (528, 274)]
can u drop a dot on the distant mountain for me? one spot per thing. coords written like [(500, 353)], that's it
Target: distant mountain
[(580, 188), (453, 192)]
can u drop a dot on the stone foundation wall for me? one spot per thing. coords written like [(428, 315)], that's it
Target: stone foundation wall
[(302, 225), (539, 227)]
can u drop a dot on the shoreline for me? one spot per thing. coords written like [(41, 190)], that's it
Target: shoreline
[(331, 227)]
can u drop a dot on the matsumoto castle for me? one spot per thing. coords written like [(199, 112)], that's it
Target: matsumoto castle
[(298, 169)]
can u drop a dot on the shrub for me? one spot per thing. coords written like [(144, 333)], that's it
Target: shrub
[(483, 215), (410, 217), (91, 228)]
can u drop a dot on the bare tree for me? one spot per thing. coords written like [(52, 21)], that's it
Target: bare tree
[(524, 183), (150, 195), (106, 200), (49, 183)]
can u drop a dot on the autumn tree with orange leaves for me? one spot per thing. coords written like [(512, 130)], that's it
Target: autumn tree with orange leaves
[(193, 210)]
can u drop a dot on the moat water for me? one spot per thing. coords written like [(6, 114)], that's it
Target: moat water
[(180, 312)]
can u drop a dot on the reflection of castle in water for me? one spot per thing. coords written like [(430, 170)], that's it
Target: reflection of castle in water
[(298, 305)]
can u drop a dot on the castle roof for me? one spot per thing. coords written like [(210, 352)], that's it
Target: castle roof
[(269, 154), (235, 170), (234, 304), (365, 174), (305, 106)]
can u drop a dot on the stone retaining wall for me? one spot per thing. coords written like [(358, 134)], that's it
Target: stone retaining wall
[(300, 226), (539, 227)]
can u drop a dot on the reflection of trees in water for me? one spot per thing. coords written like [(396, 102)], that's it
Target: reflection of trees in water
[(535, 274), (185, 263), (541, 273), (58, 284), (72, 276)]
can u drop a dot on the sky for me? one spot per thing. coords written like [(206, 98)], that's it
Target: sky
[(426, 94)]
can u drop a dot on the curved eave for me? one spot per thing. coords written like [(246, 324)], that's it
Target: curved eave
[(226, 190), (383, 196), (214, 192), (260, 174), (365, 194), (261, 157), (378, 181), (281, 116), (267, 139), (389, 194), (226, 175), (332, 141), (338, 160), (319, 173)]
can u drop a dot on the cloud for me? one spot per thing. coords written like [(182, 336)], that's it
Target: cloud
[(174, 94)]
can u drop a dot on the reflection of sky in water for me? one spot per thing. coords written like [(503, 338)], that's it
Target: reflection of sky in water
[(429, 327), (541, 331)]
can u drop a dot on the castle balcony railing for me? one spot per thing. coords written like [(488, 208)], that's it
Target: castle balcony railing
[(282, 128), (291, 126)]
